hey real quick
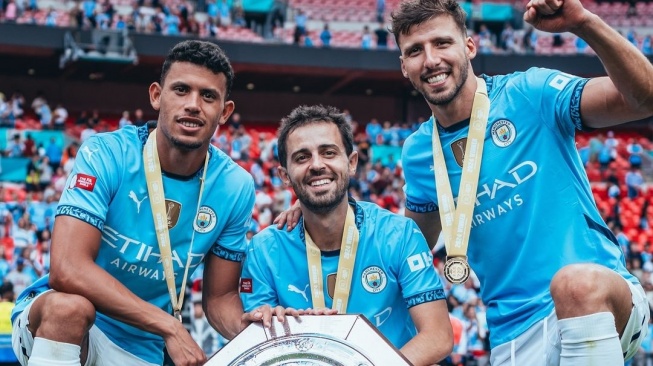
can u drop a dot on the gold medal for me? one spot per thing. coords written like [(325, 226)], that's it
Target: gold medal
[(456, 270), (178, 315)]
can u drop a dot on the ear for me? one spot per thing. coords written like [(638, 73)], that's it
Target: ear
[(353, 162), (403, 68), (471, 48), (155, 96), (285, 178), (228, 109)]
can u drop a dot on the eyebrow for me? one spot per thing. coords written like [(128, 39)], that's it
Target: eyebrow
[(430, 40), (321, 147), (203, 90)]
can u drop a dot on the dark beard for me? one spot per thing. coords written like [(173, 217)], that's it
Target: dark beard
[(321, 207), (444, 100)]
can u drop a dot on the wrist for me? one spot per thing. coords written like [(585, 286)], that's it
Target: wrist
[(587, 25)]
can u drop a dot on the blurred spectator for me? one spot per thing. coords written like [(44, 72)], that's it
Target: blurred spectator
[(54, 152), (59, 117), (11, 12), (87, 132), (5, 112), (581, 45), (635, 152), (29, 146), (33, 175), (325, 36), (485, 40), (366, 38), (373, 130), (529, 40), (19, 276), (634, 182), (380, 11), (381, 34), (507, 38), (17, 106), (647, 45), (300, 26), (124, 120), (138, 118)]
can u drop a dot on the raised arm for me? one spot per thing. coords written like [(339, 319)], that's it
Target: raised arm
[(75, 245), (626, 94)]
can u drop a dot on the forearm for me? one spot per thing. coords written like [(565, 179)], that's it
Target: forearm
[(224, 313), (628, 68), (425, 349)]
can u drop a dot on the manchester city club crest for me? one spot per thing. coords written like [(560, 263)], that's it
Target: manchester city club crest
[(503, 132), (374, 279), (205, 220)]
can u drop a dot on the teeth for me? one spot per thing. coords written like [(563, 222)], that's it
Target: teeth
[(190, 124), (437, 78), (320, 182)]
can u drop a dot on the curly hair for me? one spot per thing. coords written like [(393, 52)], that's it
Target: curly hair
[(200, 53)]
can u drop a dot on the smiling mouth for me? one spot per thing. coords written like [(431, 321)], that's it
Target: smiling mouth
[(437, 78), (321, 182)]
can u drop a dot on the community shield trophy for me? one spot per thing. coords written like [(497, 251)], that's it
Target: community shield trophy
[(333, 340)]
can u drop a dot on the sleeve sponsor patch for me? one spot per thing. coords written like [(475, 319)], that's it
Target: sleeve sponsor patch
[(246, 285), (83, 181)]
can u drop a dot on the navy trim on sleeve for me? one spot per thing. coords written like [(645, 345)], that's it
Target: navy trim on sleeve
[(227, 254), (574, 108), (421, 208), (81, 214), (425, 297)]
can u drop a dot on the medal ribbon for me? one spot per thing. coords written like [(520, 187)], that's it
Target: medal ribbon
[(457, 221), (154, 181), (346, 262)]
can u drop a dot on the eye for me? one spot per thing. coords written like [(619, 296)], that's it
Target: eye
[(301, 158), (330, 153), (180, 89), (208, 95)]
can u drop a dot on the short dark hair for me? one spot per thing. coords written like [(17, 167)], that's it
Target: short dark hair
[(304, 115), (415, 12), (200, 53)]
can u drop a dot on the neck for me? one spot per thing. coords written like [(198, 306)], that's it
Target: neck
[(460, 108), (176, 161), (326, 229)]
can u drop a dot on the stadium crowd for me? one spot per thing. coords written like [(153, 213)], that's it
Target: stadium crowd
[(305, 23)]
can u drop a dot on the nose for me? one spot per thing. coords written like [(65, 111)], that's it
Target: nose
[(192, 103), (317, 163), (432, 59)]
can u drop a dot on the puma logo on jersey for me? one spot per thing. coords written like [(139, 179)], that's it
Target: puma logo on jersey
[(138, 202), (293, 288), (89, 153)]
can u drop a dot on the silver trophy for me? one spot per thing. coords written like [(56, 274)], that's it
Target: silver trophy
[(320, 340)]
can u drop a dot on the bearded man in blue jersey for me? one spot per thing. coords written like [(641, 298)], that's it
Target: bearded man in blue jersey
[(141, 211), (389, 274), (552, 274)]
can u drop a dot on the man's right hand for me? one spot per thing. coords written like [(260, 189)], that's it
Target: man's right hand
[(290, 217), (182, 348)]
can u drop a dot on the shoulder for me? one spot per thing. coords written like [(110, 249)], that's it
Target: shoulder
[(268, 239), (123, 139), (382, 218), (417, 140)]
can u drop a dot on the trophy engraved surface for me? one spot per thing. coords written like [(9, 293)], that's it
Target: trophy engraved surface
[(333, 340)]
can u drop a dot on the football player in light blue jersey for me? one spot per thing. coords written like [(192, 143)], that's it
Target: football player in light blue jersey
[(106, 300), (551, 272), (393, 281)]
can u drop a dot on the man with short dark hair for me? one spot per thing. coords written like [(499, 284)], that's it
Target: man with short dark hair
[(141, 212)]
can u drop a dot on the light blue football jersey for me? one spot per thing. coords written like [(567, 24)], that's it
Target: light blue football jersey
[(107, 189), (534, 211), (393, 271)]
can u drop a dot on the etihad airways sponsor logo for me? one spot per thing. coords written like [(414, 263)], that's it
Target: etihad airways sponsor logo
[(131, 251), (515, 177)]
